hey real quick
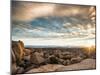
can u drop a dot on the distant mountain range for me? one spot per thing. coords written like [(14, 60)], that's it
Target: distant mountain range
[(51, 46)]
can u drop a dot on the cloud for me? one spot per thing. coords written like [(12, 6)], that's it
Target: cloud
[(26, 11), (45, 29), (46, 21)]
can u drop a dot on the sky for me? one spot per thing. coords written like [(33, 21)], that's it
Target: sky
[(48, 24)]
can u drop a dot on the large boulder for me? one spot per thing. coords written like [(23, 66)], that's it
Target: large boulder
[(37, 58), (76, 59), (27, 52)]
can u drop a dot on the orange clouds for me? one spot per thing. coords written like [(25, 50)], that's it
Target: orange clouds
[(26, 11)]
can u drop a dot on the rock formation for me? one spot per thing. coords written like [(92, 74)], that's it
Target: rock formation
[(17, 54), (17, 51), (37, 58), (31, 60)]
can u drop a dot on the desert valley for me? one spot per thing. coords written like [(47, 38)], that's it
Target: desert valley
[(32, 60)]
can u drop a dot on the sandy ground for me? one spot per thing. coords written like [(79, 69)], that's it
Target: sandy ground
[(85, 64)]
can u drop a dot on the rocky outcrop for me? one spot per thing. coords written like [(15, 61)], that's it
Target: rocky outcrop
[(31, 60), (17, 54), (17, 51)]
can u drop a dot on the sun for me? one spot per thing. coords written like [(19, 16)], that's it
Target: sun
[(90, 49)]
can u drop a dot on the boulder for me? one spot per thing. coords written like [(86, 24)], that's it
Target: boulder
[(14, 68), (60, 61), (37, 58), (27, 58), (20, 70), (27, 52), (53, 59), (46, 55), (66, 62), (76, 59)]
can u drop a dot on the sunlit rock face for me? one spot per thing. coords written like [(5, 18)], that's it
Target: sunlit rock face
[(17, 51), (17, 54)]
